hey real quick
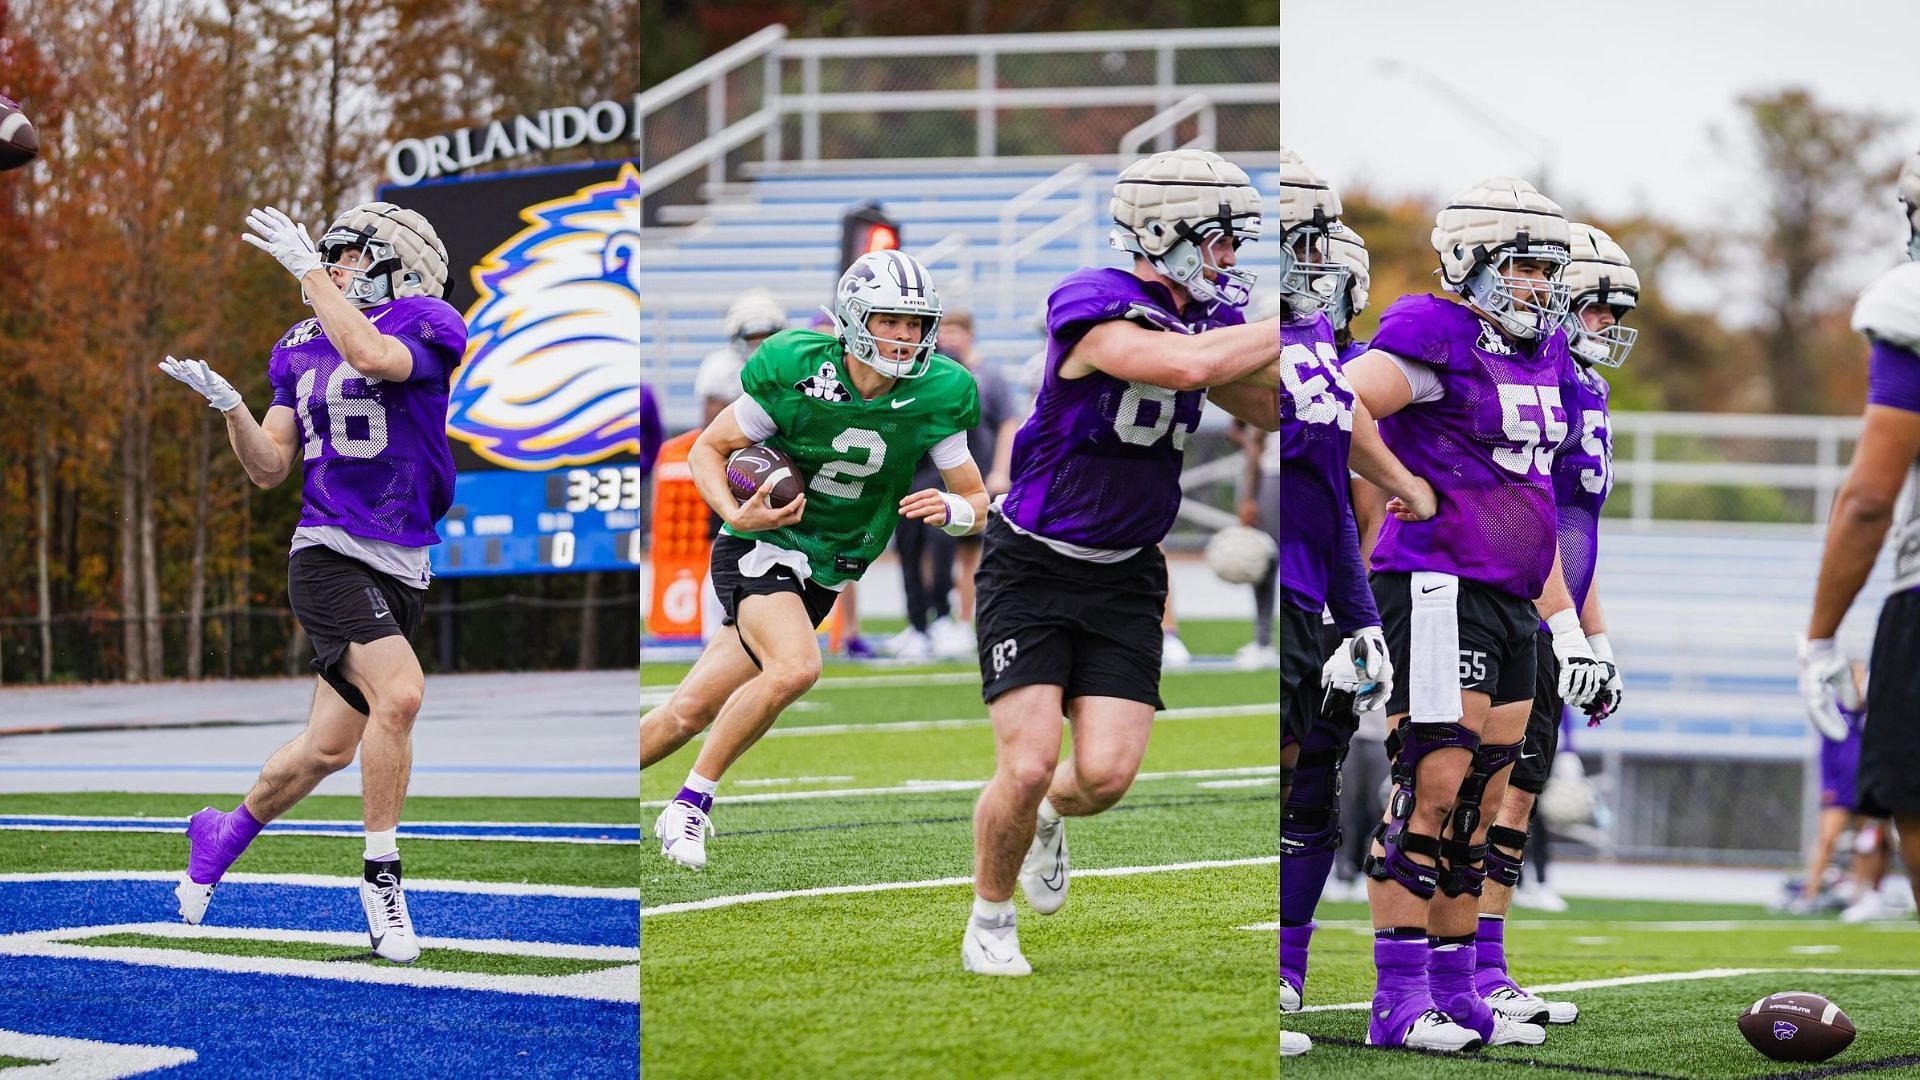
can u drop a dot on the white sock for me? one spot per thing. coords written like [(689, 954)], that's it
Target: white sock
[(991, 909), (1047, 813), (701, 784), (383, 846)]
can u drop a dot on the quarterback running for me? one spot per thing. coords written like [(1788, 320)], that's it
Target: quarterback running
[(854, 410), (360, 399)]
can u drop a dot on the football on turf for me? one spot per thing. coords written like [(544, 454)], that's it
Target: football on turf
[(1796, 1027), (750, 467), (1242, 556), (19, 143)]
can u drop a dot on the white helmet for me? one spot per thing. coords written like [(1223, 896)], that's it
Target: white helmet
[(1308, 212), (1909, 186), (1164, 208), (1599, 273), (406, 255), (1349, 249), (755, 314), (1481, 231), (886, 281)]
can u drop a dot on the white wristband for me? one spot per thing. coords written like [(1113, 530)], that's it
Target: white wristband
[(1564, 625), (959, 515), (1602, 649)]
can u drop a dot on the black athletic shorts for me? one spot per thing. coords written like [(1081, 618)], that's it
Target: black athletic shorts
[(1496, 636), (1530, 772), (341, 601), (1889, 782), (1046, 618), (731, 585), (1302, 653)]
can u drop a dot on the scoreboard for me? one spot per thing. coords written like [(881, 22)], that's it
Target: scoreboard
[(543, 424)]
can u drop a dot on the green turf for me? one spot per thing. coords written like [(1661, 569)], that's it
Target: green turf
[(1674, 1029), (329, 807), (433, 959), (16, 1063)]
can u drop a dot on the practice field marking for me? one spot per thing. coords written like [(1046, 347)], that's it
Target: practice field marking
[(85, 1059), (1658, 977), (560, 832), (621, 954), (778, 781), (327, 881), (1680, 925), (1206, 712), (925, 787), (714, 902)]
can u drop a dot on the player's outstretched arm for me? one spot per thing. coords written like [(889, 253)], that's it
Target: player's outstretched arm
[(1128, 351), (361, 344), (1862, 512), (1257, 405), (265, 450), (1413, 498), (707, 460), (961, 510)]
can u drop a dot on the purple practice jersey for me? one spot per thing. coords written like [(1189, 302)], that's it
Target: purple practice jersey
[(1098, 462), (1486, 443), (1582, 477), (377, 461), (1316, 512)]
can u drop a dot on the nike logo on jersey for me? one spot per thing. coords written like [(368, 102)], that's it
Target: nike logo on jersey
[(909, 401)]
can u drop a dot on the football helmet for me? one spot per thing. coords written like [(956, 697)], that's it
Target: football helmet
[(755, 314), (1348, 248), (1309, 210), (1165, 208), (1598, 272), (405, 256), (886, 281), (1479, 234), (1909, 186)]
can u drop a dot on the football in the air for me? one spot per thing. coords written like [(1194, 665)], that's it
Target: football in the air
[(19, 143), (750, 467), (1796, 1027), (1241, 555)]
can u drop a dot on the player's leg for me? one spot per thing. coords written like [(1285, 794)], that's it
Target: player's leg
[(722, 668), (1869, 865), (1833, 822), (1310, 835), (1908, 826), (388, 675), (1026, 744)]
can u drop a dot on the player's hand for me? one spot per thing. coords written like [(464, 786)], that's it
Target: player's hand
[(1582, 675), (1826, 685), (1608, 701), (1374, 666), (204, 380), (927, 504), (1419, 504), (276, 234), (755, 515), (1249, 512)]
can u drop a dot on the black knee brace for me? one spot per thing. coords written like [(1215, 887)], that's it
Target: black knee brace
[(1466, 861), (1410, 743), (1503, 868)]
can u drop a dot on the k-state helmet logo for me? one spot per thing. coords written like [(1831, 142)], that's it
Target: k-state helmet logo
[(301, 333), (1492, 341), (549, 378)]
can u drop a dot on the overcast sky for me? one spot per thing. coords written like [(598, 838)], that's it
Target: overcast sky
[(1618, 99)]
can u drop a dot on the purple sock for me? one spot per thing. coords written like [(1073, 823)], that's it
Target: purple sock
[(1400, 991), (695, 798), (1293, 953), (1303, 878), (215, 840), (1450, 975), (1490, 955), (241, 826)]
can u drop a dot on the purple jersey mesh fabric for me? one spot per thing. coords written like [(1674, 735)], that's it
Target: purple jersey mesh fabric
[(376, 458), (1487, 446), (1893, 377), (1582, 477), (1098, 462), (1316, 433)]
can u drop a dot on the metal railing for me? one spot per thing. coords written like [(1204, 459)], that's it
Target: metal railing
[(1163, 123), (709, 77), (1013, 247), (1726, 452)]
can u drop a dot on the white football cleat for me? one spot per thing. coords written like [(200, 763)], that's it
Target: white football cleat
[(1043, 873), (388, 924), (1538, 897), (1518, 1006), (1869, 908), (952, 639), (1293, 1044), (1513, 1033), (682, 829), (1433, 1031), (1289, 995), (194, 898), (1252, 657), (993, 948)]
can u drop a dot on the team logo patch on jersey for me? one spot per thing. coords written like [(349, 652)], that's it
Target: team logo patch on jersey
[(824, 384), (1491, 340), (301, 333), (549, 378)]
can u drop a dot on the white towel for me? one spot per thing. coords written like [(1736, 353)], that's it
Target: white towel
[(1433, 691)]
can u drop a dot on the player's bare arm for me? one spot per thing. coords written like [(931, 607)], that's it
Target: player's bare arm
[(961, 510), (707, 460), (1256, 405), (1380, 389), (1862, 513), (1132, 352), (266, 448), (365, 349)]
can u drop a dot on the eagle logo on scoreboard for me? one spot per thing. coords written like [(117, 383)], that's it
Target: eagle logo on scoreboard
[(550, 377)]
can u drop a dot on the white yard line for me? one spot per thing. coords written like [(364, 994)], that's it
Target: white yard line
[(1795, 926), (1204, 712), (922, 787), (714, 902), (625, 954), (322, 881), (86, 1059), (1658, 977), (353, 832)]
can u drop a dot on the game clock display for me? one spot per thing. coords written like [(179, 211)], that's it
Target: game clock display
[(506, 522)]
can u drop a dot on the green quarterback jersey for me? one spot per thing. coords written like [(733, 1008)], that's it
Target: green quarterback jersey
[(858, 456)]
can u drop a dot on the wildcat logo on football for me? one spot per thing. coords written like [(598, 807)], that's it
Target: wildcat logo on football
[(549, 378)]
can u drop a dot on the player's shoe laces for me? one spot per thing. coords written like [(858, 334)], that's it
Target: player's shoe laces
[(385, 904), (992, 947), (1516, 1004), (1043, 873), (1432, 1030), (1289, 995), (682, 830), (1293, 1044), (1508, 1032)]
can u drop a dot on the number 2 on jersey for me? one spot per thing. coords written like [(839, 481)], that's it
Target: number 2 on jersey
[(826, 480)]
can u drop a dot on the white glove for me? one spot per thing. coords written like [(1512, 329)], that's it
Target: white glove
[(1609, 700), (1826, 685), (1361, 667), (1582, 676), (205, 381), (277, 235)]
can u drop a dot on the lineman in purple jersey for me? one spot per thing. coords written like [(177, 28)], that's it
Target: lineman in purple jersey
[(1071, 582), (360, 397), (1603, 289), (1888, 457), (1468, 395)]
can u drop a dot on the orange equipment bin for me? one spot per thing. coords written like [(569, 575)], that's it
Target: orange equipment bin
[(681, 547)]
